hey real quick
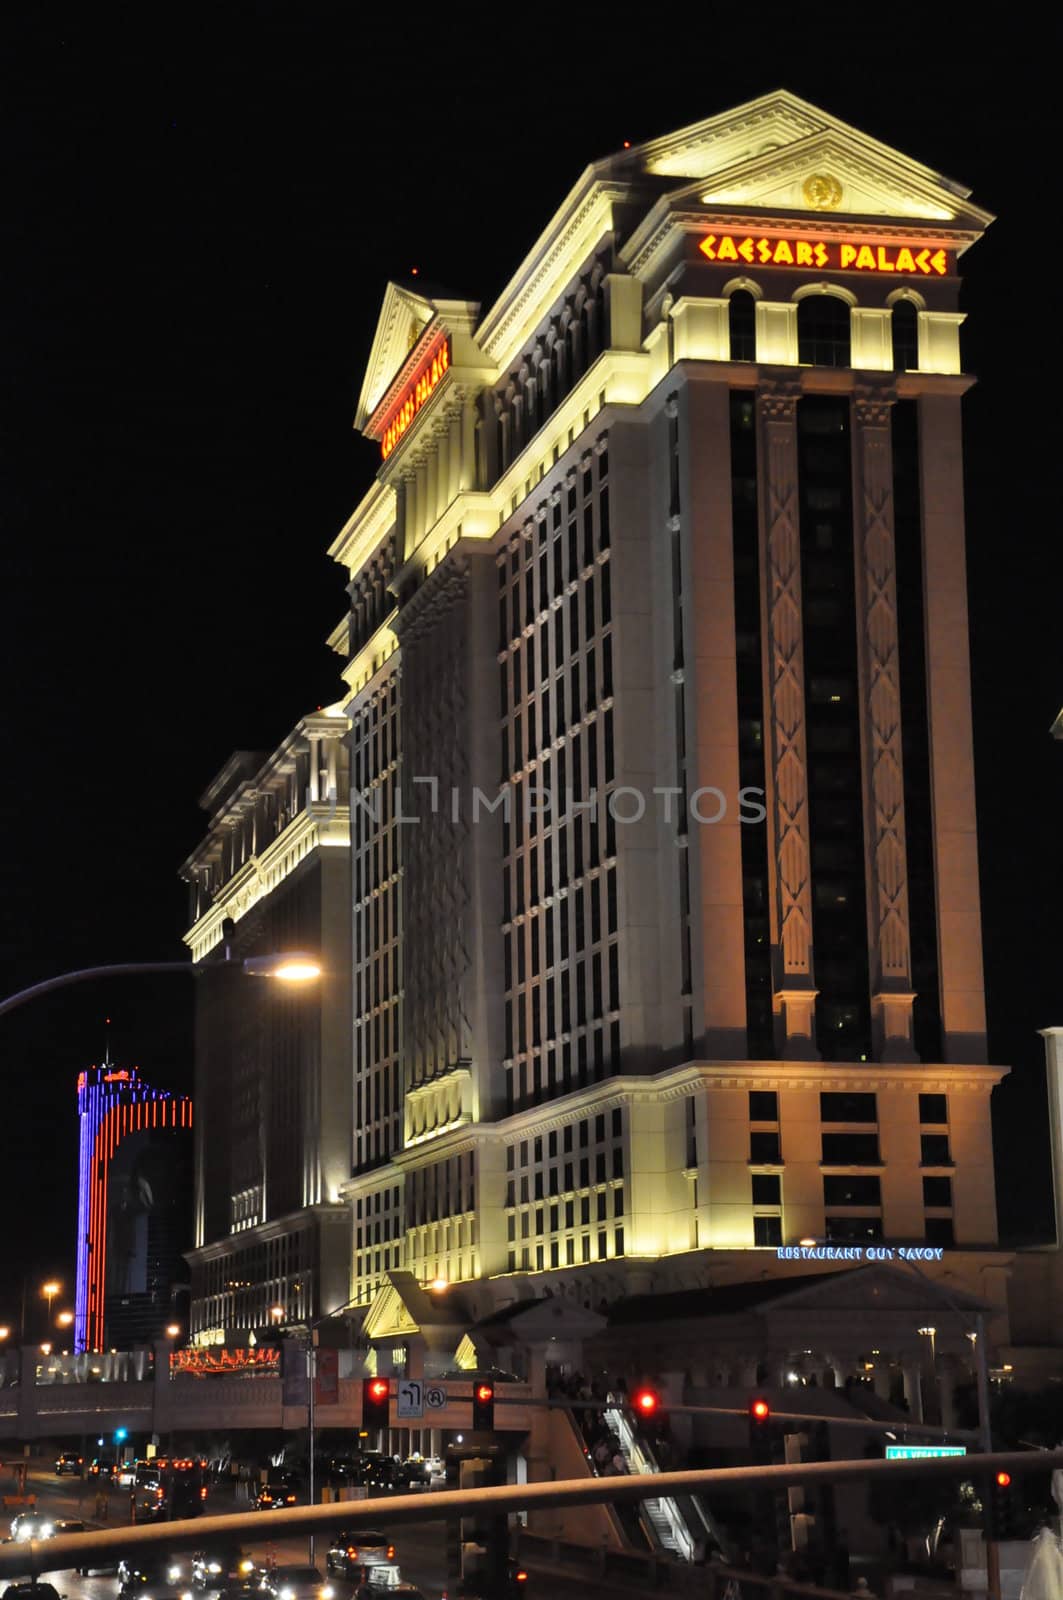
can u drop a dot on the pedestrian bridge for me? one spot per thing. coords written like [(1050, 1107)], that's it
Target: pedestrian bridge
[(67, 1397)]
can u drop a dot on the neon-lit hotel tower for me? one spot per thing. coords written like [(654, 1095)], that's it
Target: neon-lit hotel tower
[(126, 1242)]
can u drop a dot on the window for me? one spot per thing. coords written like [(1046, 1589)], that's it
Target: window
[(854, 1190), (742, 319), (853, 1230), (933, 1108), (937, 1191), (764, 1149), (823, 338), (763, 1105), (767, 1189), (939, 1230), (767, 1230), (905, 327), (848, 1108), (850, 1150), (935, 1149)]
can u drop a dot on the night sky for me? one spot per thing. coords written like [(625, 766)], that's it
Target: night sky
[(200, 211)]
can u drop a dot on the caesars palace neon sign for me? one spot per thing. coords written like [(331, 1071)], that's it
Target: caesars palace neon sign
[(417, 393), (831, 253)]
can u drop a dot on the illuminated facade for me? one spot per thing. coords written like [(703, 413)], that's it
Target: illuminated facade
[(131, 1207), (273, 1078), (667, 551)]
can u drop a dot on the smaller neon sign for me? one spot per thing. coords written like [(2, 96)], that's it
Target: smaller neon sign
[(923, 1452), (417, 393), (213, 1359), (830, 253)]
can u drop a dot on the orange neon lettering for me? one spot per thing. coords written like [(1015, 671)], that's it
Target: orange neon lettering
[(707, 246), (848, 254), (747, 250), (422, 387), (865, 257), (764, 251), (883, 261), (940, 262), (922, 260), (804, 253), (727, 251), (821, 254), (905, 260), (783, 255)]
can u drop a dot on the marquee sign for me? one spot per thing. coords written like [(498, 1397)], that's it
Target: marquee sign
[(859, 1252), (417, 393), (835, 254), (211, 1360)]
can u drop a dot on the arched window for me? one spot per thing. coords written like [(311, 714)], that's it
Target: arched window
[(742, 317), (823, 338), (905, 322)]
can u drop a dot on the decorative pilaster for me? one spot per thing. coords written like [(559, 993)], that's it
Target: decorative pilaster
[(786, 762), (889, 954)]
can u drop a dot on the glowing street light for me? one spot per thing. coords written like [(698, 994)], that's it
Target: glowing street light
[(276, 1313), (5, 1332), (64, 1319), (295, 967), (173, 1330), (49, 1290), (46, 1349)]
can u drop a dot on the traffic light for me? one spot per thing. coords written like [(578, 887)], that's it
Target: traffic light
[(1001, 1510), (121, 1435), (646, 1403), (376, 1394), (483, 1406), (761, 1431)]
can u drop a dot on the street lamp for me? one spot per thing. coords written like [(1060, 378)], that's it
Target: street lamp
[(49, 1291), (5, 1332), (291, 966), (64, 1319), (173, 1330), (311, 1375)]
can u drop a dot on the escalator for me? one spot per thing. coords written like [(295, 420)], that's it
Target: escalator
[(682, 1527)]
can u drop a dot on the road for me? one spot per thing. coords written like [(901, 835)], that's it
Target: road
[(420, 1548)]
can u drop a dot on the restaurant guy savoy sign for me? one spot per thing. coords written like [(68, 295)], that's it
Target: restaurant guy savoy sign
[(838, 254), (417, 392), (859, 1252)]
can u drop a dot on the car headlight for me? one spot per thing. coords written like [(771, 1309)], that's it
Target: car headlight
[(328, 1592), (215, 1566), (245, 1566), (172, 1575), (46, 1530)]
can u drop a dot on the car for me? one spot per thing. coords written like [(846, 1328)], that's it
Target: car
[(222, 1567), (384, 1582), (153, 1578), (68, 1461), (351, 1553), (275, 1497), (126, 1474), (32, 1525), (297, 1583), (102, 1467), (32, 1591)]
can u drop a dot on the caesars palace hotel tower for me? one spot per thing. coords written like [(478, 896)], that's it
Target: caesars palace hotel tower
[(666, 933)]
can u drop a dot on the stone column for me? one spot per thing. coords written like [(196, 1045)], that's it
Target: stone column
[(314, 759), (889, 952), (785, 755), (913, 1390)]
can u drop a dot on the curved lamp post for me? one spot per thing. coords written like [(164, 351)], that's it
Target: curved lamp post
[(292, 966)]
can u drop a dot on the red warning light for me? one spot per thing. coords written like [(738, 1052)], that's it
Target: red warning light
[(378, 1388), (1004, 1479), (646, 1402), (760, 1410), (485, 1391)]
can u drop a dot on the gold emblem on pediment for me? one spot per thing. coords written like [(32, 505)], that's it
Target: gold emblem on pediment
[(821, 191)]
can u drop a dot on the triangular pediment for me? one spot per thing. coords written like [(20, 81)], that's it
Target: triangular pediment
[(388, 1316), (404, 316), (878, 1288), (782, 153)]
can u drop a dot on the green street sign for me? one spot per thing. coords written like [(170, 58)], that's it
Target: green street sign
[(918, 1452)]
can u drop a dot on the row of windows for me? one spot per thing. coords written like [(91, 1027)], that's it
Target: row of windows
[(606, 1204), (824, 337), (590, 1247), (848, 1149), (442, 1190), (767, 1231), (554, 1071), (845, 1106), (561, 548)]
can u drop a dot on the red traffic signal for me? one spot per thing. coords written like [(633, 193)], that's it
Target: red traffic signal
[(483, 1406), (647, 1402), (1004, 1479), (759, 1410), (376, 1394)]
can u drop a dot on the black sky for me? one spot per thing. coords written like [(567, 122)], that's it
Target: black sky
[(200, 210)]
